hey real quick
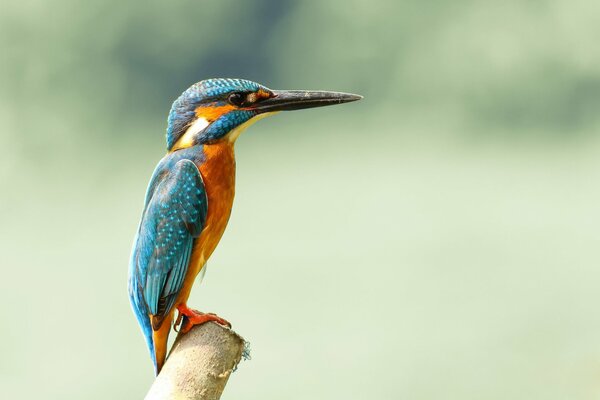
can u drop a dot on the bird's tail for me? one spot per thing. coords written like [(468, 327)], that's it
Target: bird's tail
[(160, 337), (156, 346)]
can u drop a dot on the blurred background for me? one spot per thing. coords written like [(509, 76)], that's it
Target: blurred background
[(438, 239)]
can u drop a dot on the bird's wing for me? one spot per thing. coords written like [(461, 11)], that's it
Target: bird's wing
[(174, 216)]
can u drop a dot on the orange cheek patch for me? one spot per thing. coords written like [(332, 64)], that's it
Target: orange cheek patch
[(213, 113), (256, 96), (262, 94)]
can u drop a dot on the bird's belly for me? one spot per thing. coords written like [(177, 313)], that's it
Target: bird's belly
[(218, 174)]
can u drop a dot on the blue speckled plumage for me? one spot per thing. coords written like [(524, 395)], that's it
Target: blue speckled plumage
[(174, 215), (225, 124)]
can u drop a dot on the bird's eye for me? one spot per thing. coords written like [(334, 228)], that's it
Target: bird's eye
[(236, 99)]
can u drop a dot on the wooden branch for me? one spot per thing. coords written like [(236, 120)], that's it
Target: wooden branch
[(199, 364)]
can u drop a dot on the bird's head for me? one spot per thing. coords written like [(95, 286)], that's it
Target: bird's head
[(219, 109)]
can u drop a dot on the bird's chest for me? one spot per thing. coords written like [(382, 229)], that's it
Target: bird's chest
[(218, 174)]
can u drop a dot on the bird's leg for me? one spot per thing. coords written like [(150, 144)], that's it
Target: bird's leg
[(189, 317), (177, 321)]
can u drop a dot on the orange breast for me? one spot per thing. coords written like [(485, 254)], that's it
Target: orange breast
[(218, 174)]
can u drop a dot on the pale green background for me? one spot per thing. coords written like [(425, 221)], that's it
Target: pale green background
[(438, 240)]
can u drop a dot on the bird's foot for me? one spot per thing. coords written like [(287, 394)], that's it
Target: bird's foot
[(188, 318)]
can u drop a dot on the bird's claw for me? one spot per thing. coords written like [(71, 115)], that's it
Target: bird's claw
[(189, 317)]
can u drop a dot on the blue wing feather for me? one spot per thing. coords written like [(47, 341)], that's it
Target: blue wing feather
[(174, 216)]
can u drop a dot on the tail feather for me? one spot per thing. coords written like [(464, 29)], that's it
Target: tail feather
[(159, 339), (141, 313)]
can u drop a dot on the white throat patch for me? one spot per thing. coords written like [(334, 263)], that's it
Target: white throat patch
[(187, 139)]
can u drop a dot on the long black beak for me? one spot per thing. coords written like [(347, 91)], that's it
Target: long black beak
[(285, 100)]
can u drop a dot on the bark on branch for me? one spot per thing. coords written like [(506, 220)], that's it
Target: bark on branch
[(199, 364)]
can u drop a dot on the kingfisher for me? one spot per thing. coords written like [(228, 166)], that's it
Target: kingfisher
[(190, 196)]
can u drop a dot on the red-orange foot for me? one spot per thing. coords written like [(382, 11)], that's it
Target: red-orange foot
[(189, 317)]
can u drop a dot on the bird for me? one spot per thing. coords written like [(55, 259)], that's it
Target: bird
[(190, 196)]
